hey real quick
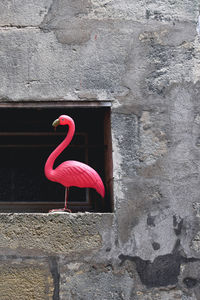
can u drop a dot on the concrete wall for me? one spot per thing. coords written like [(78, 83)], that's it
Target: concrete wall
[(145, 57)]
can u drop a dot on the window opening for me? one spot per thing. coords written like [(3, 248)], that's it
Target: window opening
[(26, 140)]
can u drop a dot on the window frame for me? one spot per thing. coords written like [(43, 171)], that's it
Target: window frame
[(10, 206)]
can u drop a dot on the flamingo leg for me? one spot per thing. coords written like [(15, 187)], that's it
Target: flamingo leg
[(65, 209), (66, 198)]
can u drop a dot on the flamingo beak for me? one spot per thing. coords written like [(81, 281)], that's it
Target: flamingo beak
[(56, 123)]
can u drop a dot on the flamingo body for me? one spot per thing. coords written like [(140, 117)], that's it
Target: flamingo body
[(75, 173), (71, 173)]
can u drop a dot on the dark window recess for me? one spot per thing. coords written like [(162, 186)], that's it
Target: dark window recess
[(26, 140)]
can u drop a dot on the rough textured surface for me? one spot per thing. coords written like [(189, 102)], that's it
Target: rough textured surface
[(52, 234), (80, 281), (25, 279), (145, 57)]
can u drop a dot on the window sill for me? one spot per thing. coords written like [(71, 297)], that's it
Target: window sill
[(31, 207), (54, 234)]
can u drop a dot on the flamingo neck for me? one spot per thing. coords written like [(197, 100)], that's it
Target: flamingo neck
[(49, 172)]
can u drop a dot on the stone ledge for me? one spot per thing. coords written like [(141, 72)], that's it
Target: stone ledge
[(54, 234)]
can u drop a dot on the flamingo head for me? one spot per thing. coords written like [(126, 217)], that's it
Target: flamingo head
[(62, 120)]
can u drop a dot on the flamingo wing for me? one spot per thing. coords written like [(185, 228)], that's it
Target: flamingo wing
[(74, 173)]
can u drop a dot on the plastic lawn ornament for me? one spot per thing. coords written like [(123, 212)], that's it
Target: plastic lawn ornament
[(71, 173)]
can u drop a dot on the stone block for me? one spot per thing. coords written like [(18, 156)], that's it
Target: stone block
[(88, 282), (23, 13), (29, 279)]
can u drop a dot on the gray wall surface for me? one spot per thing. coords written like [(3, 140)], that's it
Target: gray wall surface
[(144, 56)]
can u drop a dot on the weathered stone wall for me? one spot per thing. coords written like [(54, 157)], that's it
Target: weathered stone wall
[(145, 57)]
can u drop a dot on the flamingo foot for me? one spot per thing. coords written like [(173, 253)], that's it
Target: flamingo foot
[(60, 210)]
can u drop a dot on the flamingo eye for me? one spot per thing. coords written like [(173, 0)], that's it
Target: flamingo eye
[(63, 120)]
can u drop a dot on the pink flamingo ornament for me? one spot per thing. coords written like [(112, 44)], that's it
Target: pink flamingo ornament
[(71, 173)]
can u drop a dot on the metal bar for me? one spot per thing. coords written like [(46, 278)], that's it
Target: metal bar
[(47, 145), (36, 133), (44, 203)]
